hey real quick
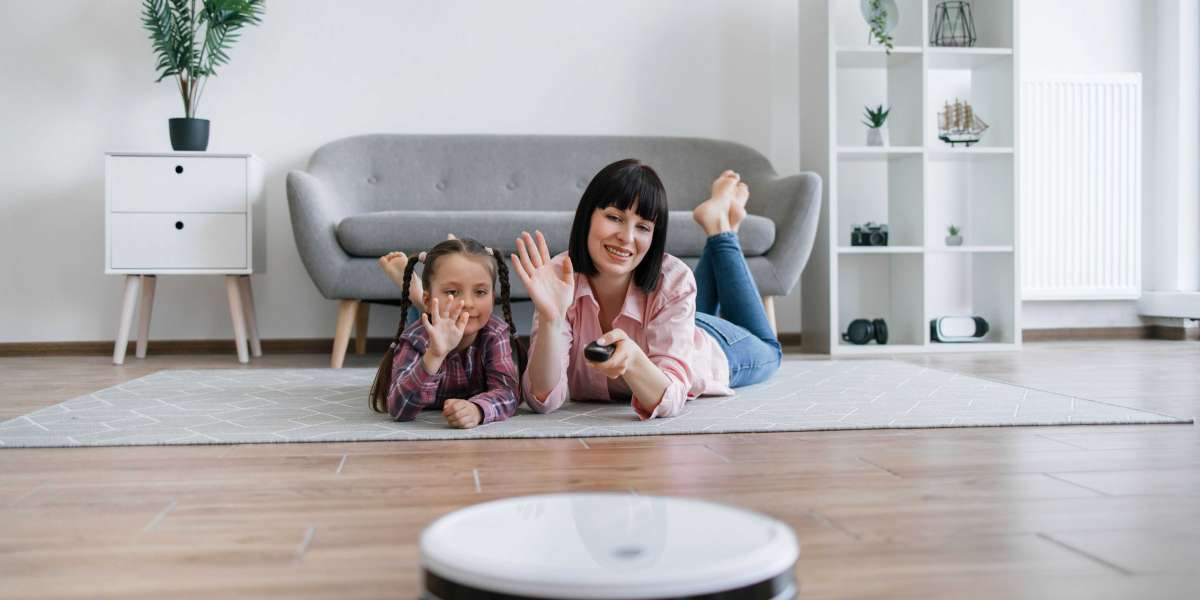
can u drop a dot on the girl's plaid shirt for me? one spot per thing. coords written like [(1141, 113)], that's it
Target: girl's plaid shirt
[(483, 373)]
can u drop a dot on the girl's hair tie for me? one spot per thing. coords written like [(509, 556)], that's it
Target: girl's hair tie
[(489, 250), (421, 257)]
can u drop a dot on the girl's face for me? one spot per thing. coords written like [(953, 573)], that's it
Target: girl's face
[(460, 277), (618, 240)]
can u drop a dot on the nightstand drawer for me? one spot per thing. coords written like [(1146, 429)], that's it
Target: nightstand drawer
[(177, 241), (176, 184)]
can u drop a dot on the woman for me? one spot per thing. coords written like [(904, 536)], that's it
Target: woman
[(670, 345)]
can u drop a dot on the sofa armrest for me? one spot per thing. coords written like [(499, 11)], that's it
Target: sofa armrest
[(794, 204), (315, 214)]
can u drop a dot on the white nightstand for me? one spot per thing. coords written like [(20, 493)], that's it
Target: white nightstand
[(184, 213)]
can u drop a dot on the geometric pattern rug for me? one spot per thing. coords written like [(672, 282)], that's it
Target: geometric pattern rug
[(231, 406)]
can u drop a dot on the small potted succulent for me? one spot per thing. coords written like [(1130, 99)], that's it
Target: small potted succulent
[(954, 239), (877, 133), (190, 44)]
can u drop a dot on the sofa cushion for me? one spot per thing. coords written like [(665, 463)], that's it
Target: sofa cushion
[(375, 234)]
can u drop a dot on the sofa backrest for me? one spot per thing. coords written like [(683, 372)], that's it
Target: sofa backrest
[(515, 172)]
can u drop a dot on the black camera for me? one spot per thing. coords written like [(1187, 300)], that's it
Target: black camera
[(871, 234)]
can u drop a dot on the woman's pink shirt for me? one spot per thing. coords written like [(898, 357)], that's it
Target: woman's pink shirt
[(663, 323)]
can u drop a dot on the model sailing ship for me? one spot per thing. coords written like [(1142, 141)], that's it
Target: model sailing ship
[(958, 124)]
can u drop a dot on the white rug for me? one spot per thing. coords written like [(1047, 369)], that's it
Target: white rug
[(327, 405)]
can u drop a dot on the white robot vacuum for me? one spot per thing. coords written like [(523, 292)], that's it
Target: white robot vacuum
[(607, 547)]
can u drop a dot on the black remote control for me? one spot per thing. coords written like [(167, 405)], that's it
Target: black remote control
[(597, 353)]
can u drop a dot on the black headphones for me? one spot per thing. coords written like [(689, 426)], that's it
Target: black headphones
[(862, 331)]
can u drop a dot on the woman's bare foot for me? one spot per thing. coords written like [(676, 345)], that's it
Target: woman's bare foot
[(713, 214), (394, 263), (737, 208)]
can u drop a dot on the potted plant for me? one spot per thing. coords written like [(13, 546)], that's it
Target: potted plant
[(881, 17), (877, 134), (953, 239), (192, 56)]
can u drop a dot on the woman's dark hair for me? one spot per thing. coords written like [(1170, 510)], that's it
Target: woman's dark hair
[(623, 184), (499, 270)]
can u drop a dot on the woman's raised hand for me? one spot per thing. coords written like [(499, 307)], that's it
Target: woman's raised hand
[(445, 326), (552, 290)]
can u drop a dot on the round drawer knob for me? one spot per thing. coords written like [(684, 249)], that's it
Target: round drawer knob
[(178, 168), (178, 224)]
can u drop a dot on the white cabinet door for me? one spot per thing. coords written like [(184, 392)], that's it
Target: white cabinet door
[(176, 184), (178, 241)]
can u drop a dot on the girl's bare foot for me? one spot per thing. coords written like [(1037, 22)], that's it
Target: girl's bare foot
[(713, 214), (737, 208), (394, 263)]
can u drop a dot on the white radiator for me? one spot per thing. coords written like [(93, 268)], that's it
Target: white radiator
[(1081, 187)]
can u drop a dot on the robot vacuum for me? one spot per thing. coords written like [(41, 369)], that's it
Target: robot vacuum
[(607, 547)]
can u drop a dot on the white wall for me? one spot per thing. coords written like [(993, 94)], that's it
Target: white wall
[(78, 80), (1101, 36)]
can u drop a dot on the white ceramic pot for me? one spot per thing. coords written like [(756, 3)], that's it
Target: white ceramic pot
[(954, 240), (877, 136)]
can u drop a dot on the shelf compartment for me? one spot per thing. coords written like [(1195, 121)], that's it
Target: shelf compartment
[(974, 192), (873, 79), (994, 24), (850, 29), (983, 80), (964, 284), (882, 286), (885, 189)]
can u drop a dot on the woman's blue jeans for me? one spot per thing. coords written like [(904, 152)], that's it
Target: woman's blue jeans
[(725, 287)]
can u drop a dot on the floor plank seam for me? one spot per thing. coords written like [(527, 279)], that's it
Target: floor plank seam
[(303, 547), (826, 520), (160, 516), (1091, 557), (718, 454), (1078, 485), (880, 467), (1063, 442)]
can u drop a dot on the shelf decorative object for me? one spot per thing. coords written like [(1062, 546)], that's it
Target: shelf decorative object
[(881, 16), (192, 56), (953, 25), (958, 124), (876, 119), (954, 239)]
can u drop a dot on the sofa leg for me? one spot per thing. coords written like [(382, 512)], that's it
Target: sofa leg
[(769, 306), (341, 337), (360, 328)]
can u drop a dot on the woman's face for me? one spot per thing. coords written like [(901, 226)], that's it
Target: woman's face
[(618, 240)]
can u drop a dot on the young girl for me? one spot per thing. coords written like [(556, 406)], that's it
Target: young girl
[(459, 356), (660, 316)]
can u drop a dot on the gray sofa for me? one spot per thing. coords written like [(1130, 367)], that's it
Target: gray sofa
[(364, 196)]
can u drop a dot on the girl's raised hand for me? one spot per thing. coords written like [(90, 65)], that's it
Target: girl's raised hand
[(445, 327), (552, 290)]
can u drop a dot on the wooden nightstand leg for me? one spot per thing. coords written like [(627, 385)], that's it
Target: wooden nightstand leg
[(145, 308), (341, 336), (238, 317), (251, 316), (360, 328), (130, 301)]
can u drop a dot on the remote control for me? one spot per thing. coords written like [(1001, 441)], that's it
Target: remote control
[(597, 353)]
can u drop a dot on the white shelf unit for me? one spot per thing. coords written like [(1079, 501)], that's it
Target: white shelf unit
[(918, 184)]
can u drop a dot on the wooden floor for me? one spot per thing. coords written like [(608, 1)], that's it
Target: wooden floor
[(1053, 512)]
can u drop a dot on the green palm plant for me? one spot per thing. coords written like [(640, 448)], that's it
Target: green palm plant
[(183, 53), (875, 116)]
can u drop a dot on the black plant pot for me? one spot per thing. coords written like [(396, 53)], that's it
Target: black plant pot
[(189, 134)]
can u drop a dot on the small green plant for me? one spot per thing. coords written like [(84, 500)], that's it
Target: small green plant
[(878, 25), (187, 54), (953, 229), (875, 116)]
